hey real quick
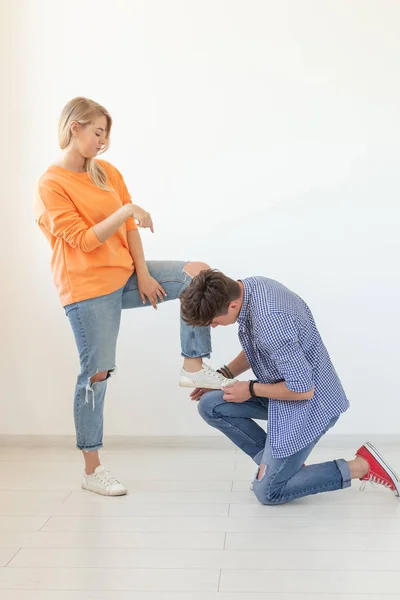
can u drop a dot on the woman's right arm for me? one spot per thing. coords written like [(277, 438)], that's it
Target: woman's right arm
[(58, 215), (105, 229)]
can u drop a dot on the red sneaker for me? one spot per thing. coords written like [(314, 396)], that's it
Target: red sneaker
[(379, 471)]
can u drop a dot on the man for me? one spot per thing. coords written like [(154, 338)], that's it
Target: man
[(297, 388)]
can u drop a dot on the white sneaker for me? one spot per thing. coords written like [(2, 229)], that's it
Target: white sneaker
[(207, 377), (102, 483)]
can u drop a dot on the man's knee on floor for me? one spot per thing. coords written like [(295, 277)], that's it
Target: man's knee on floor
[(269, 497), (272, 501), (194, 268), (267, 492)]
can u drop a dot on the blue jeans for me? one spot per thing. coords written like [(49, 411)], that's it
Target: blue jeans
[(284, 479), (95, 324)]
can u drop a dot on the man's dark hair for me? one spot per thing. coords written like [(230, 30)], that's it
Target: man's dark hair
[(207, 297)]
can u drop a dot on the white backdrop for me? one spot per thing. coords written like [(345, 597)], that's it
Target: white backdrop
[(263, 137)]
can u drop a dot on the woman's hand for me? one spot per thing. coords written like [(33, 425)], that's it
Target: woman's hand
[(151, 289), (142, 217)]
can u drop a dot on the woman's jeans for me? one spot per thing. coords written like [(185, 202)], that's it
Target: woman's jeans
[(95, 324)]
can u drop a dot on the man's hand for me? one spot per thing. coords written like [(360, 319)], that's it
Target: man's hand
[(198, 392), (238, 392)]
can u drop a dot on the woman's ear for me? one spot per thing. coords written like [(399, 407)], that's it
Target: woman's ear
[(74, 127)]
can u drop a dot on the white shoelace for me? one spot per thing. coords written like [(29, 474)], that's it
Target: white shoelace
[(213, 373), (105, 478), (374, 480)]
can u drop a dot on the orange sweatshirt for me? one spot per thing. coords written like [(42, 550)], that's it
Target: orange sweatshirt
[(67, 207)]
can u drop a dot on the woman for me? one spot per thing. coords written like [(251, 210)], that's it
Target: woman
[(85, 211)]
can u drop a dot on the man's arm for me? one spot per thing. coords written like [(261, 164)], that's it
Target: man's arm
[(278, 340), (240, 392), (280, 391), (239, 365), (281, 344)]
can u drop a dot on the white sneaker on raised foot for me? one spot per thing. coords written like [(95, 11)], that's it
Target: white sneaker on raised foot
[(207, 377), (102, 483)]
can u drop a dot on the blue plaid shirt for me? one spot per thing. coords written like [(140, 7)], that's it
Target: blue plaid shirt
[(281, 341)]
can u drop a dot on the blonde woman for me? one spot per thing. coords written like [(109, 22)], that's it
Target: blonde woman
[(85, 211)]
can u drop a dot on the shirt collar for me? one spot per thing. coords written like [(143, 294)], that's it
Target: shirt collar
[(246, 301)]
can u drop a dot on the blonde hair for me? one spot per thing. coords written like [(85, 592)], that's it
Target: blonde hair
[(83, 111)]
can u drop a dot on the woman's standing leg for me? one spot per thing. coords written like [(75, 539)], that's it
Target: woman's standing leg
[(175, 276), (95, 324)]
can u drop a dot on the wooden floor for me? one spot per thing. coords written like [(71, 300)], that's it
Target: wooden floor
[(189, 529)]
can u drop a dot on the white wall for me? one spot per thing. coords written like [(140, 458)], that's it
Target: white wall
[(262, 135)]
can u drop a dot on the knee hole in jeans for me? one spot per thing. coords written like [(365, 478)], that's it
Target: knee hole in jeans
[(102, 376), (98, 377), (193, 268)]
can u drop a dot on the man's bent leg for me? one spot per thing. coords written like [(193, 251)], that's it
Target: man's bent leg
[(285, 479), (235, 420)]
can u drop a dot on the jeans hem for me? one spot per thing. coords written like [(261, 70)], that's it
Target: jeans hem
[(89, 448), (206, 355), (343, 467)]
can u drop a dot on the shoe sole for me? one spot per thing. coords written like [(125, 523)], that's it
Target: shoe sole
[(190, 384), (89, 489), (387, 467)]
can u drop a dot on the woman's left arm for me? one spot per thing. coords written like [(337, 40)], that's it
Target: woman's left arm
[(148, 286)]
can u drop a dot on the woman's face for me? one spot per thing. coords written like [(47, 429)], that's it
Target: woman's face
[(90, 139)]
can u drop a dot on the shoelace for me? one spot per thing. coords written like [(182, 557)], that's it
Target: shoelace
[(212, 373), (105, 478), (374, 480)]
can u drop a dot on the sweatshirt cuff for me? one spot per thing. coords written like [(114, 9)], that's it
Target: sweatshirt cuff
[(91, 240), (131, 224)]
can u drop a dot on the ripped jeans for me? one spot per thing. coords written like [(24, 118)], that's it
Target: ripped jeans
[(95, 324)]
